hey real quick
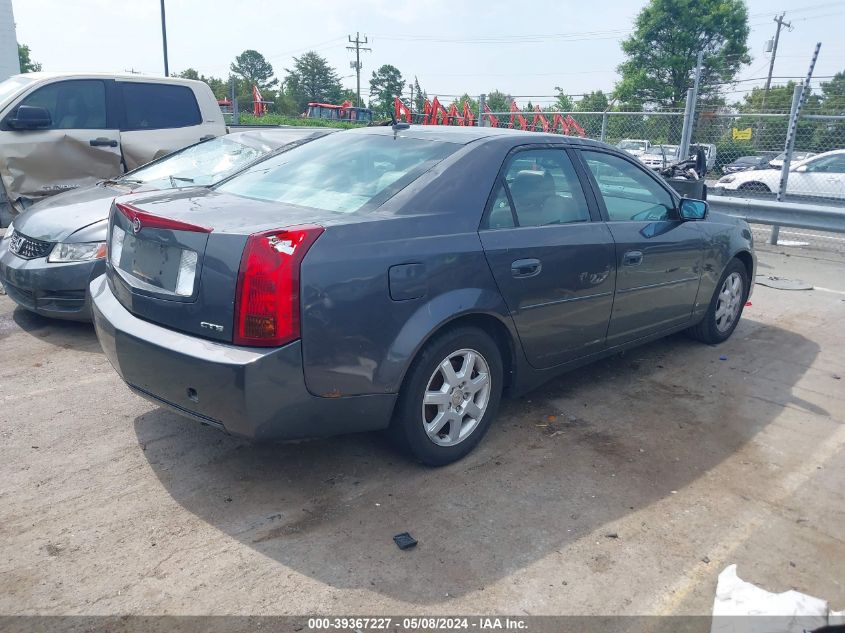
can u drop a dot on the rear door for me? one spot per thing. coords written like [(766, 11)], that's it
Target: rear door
[(658, 257), (80, 147), (552, 261), (158, 118)]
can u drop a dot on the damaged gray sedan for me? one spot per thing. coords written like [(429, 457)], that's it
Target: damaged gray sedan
[(53, 250)]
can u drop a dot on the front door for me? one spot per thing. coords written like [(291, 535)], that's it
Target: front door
[(822, 177), (80, 147), (553, 263), (658, 257)]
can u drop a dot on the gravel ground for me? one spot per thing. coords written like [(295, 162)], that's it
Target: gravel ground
[(623, 488)]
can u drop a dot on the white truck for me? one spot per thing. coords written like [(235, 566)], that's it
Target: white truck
[(59, 131)]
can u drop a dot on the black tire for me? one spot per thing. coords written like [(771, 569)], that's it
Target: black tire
[(755, 186), (707, 330), (407, 428)]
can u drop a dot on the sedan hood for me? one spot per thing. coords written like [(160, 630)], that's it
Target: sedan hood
[(58, 217)]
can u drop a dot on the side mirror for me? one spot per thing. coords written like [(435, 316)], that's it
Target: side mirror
[(693, 209), (30, 118), (801, 169)]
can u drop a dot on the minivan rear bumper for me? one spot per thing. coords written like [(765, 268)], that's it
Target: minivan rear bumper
[(250, 392)]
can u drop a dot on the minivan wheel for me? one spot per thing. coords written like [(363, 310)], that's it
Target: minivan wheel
[(725, 307), (450, 396)]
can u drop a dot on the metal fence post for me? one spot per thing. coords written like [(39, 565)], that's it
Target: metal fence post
[(235, 118), (683, 151), (482, 101), (787, 159), (603, 136)]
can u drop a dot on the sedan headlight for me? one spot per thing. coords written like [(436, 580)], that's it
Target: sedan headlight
[(726, 179), (81, 252)]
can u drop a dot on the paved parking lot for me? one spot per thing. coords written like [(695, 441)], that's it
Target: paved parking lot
[(623, 488)]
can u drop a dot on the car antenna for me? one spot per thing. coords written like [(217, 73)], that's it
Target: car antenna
[(397, 125)]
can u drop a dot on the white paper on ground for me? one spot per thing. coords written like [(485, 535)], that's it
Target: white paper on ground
[(790, 611)]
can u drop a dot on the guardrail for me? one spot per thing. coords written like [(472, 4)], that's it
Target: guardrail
[(815, 217)]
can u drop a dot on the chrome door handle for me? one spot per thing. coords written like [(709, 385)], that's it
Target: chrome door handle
[(632, 258), (526, 268)]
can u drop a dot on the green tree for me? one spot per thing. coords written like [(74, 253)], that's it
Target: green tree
[(385, 84), (668, 34), (27, 65), (254, 70), (460, 101), (593, 102), (219, 87), (830, 134), (312, 79), (563, 102), (420, 97)]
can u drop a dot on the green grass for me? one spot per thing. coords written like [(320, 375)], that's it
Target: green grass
[(279, 119)]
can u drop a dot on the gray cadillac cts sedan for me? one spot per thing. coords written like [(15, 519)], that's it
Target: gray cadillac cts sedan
[(405, 278)]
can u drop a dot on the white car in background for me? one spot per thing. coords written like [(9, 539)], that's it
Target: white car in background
[(659, 156), (821, 176), (777, 161), (634, 146)]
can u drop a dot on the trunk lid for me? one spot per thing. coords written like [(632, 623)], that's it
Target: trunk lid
[(174, 256)]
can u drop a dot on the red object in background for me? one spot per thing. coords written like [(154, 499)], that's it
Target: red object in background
[(522, 120), (539, 118), (437, 107), (494, 120), (454, 116), (574, 125), (469, 119), (259, 108), (399, 109)]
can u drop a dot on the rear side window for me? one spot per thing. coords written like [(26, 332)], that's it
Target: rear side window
[(158, 106), (78, 104), (343, 172)]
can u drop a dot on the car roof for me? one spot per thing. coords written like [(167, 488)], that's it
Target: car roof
[(44, 76), (465, 135), (275, 137)]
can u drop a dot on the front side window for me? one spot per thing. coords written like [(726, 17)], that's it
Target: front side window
[(158, 106), (829, 164), (200, 165), (343, 172), (78, 104), (629, 192), (543, 188)]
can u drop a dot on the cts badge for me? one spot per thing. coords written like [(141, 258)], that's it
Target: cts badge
[(211, 326)]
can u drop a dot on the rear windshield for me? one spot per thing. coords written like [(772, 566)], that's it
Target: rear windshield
[(343, 172)]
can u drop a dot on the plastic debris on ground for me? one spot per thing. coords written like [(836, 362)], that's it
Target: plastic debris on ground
[(404, 541), (789, 611), (779, 283)]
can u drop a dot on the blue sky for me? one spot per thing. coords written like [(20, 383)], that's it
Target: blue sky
[(452, 47)]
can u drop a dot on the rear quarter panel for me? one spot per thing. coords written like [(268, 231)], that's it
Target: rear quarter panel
[(357, 339)]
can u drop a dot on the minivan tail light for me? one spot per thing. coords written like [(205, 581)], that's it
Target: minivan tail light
[(142, 220), (267, 294)]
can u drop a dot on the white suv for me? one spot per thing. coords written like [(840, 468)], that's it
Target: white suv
[(59, 131)]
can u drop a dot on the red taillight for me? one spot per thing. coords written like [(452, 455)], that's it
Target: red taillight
[(267, 296), (149, 221)]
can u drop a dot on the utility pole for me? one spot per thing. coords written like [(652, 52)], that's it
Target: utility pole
[(357, 63), (164, 39), (779, 21)]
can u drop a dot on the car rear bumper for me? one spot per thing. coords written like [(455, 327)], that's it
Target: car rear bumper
[(250, 392), (59, 291)]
